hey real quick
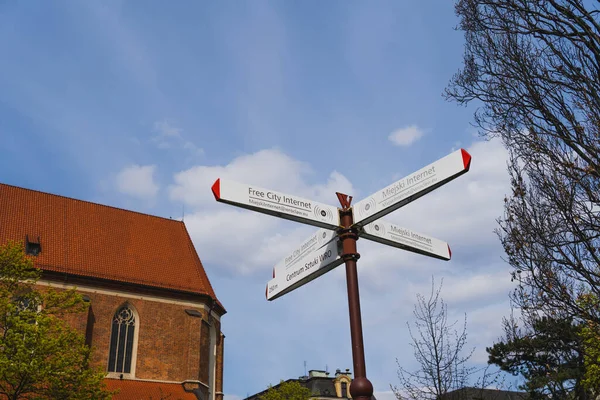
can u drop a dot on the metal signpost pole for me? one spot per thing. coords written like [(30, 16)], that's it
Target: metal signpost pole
[(335, 242), (360, 388)]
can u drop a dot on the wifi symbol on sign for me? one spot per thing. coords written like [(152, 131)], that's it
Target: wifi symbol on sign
[(321, 213), (379, 228), (368, 208), (321, 238)]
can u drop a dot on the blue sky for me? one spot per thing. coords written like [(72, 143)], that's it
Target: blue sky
[(142, 105)]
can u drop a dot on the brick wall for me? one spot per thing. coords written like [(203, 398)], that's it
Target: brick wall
[(204, 351), (172, 345)]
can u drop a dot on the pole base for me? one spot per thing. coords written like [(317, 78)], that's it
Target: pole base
[(361, 389)]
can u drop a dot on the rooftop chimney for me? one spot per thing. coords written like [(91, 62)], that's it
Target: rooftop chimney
[(339, 372), (315, 373)]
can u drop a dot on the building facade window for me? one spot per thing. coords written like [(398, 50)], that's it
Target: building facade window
[(123, 340), (32, 248), (26, 308), (344, 389)]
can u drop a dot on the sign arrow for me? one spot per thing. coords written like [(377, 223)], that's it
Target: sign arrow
[(307, 268), (277, 204), (403, 238), (411, 187), (317, 240)]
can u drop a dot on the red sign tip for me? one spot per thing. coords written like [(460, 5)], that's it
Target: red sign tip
[(449, 253), (216, 189), (466, 159)]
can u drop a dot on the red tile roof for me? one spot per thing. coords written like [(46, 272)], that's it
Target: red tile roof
[(143, 390), (92, 240)]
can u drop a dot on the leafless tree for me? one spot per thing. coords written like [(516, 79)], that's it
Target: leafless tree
[(438, 349), (533, 68)]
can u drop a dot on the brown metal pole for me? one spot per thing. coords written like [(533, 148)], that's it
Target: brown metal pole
[(360, 388)]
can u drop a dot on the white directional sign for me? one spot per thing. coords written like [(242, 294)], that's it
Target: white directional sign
[(393, 235), (275, 203), (317, 240), (321, 252), (307, 268), (411, 187)]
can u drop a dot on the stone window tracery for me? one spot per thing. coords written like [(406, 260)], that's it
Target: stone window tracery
[(122, 340)]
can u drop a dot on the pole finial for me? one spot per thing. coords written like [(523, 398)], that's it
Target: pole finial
[(345, 200)]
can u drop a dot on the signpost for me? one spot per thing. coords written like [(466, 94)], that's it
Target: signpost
[(305, 269), (317, 240), (411, 187), (335, 242), (275, 203), (405, 239)]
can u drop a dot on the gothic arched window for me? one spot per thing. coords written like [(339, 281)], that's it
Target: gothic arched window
[(122, 340)]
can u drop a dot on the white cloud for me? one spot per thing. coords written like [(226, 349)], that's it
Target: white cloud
[(167, 134), (252, 241), (170, 137), (165, 128), (485, 327), (406, 136), (461, 289), (266, 168), (137, 181), (387, 395), (193, 148)]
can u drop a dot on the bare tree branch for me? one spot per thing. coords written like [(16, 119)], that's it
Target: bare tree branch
[(438, 349), (535, 67)]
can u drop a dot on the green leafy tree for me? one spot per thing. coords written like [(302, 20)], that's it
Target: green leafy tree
[(286, 391), (548, 353), (41, 356), (590, 335)]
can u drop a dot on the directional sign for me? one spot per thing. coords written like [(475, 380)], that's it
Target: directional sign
[(332, 245), (317, 240), (275, 203), (393, 235), (411, 187), (306, 269)]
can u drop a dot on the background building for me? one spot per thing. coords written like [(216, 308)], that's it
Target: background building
[(154, 318), (321, 385), (471, 393)]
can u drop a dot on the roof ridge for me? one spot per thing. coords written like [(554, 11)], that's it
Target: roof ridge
[(89, 202), (200, 269)]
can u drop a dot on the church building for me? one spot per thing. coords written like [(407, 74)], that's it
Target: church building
[(154, 319)]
